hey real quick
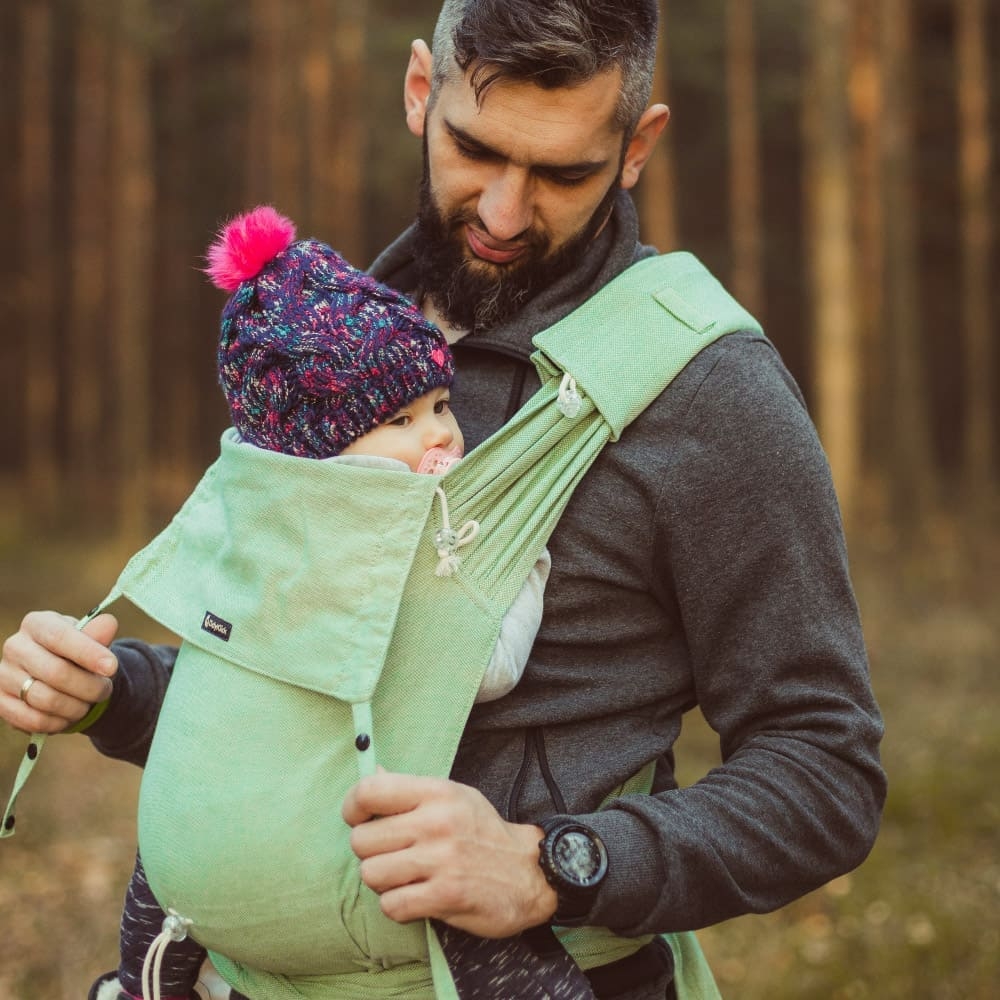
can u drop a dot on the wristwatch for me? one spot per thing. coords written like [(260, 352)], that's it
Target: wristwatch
[(575, 861)]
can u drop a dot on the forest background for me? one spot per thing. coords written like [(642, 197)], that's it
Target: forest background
[(833, 161)]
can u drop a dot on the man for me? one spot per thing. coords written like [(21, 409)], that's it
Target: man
[(700, 561)]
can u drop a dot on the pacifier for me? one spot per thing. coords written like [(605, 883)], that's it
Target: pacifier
[(437, 461)]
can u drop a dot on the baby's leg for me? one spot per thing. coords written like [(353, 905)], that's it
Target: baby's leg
[(529, 967)]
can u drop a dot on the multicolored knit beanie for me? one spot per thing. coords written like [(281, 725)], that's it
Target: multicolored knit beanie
[(314, 353)]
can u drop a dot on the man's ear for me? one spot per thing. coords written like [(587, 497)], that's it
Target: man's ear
[(417, 87), (653, 121)]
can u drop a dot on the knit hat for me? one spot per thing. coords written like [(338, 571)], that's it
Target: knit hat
[(314, 353)]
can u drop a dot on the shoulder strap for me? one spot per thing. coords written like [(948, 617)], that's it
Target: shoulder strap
[(650, 322)]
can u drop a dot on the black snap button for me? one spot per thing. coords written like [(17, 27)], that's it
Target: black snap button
[(32, 751), (363, 742), (9, 824)]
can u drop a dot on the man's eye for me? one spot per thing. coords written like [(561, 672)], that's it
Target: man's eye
[(472, 152), (567, 179)]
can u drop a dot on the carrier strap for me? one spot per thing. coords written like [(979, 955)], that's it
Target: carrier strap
[(624, 345)]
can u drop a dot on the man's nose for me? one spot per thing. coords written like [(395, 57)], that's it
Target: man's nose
[(505, 205)]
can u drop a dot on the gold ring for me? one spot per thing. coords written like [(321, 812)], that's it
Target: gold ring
[(25, 688)]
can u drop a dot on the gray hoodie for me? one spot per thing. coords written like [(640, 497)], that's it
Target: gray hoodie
[(701, 561)]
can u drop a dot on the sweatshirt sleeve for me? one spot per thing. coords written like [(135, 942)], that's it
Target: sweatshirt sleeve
[(125, 731), (749, 544)]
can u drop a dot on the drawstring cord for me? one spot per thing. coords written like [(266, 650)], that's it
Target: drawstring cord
[(447, 541), (175, 928), (569, 402)]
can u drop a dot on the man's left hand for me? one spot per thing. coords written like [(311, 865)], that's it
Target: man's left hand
[(436, 848)]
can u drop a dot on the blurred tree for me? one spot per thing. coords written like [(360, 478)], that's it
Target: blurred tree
[(909, 457), (744, 156), (828, 190), (37, 239), (274, 155), (132, 224), (12, 436), (975, 154), (307, 116), (865, 90), (334, 84), (89, 208), (658, 189), (174, 291)]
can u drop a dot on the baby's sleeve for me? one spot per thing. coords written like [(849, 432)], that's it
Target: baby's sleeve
[(517, 634)]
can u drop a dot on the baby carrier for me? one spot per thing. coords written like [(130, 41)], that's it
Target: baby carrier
[(334, 617)]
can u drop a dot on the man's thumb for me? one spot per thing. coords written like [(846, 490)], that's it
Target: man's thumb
[(103, 629)]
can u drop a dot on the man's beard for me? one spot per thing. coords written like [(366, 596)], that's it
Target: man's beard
[(473, 294)]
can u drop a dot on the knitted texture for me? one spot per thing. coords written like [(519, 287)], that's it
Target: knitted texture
[(314, 353)]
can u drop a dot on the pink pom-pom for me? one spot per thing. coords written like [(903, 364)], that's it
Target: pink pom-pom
[(246, 244)]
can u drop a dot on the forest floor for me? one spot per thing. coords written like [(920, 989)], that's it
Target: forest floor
[(919, 919)]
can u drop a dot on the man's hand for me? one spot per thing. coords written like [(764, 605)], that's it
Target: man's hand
[(72, 670), (435, 848)]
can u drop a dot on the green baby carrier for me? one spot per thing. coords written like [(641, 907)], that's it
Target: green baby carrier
[(335, 617)]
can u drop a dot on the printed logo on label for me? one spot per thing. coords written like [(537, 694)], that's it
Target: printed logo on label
[(216, 626)]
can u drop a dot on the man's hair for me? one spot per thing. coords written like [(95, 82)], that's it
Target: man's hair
[(551, 43)]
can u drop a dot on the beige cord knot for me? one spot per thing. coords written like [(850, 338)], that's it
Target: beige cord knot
[(175, 928), (447, 541)]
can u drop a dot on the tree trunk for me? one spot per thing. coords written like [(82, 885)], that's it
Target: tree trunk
[(657, 190), (337, 154), (89, 256), (275, 171), (38, 286), (131, 239), (332, 75), (909, 457), (867, 109), (177, 445), (976, 231), (744, 157), (828, 187)]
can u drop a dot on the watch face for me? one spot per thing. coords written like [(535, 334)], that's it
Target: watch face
[(579, 858)]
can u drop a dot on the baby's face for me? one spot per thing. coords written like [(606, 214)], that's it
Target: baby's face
[(424, 424)]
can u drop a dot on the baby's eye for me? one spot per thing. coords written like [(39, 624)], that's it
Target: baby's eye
[(400, 420), (442, 406)]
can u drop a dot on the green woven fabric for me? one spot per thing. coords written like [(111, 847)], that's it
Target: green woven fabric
[(318, 641)]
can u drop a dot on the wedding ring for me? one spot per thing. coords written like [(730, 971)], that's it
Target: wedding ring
[(25, 688)]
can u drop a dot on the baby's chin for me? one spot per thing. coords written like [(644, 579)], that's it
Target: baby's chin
[(437, 461)]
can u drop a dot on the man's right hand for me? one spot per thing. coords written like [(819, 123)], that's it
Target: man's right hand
[(72, 670)]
